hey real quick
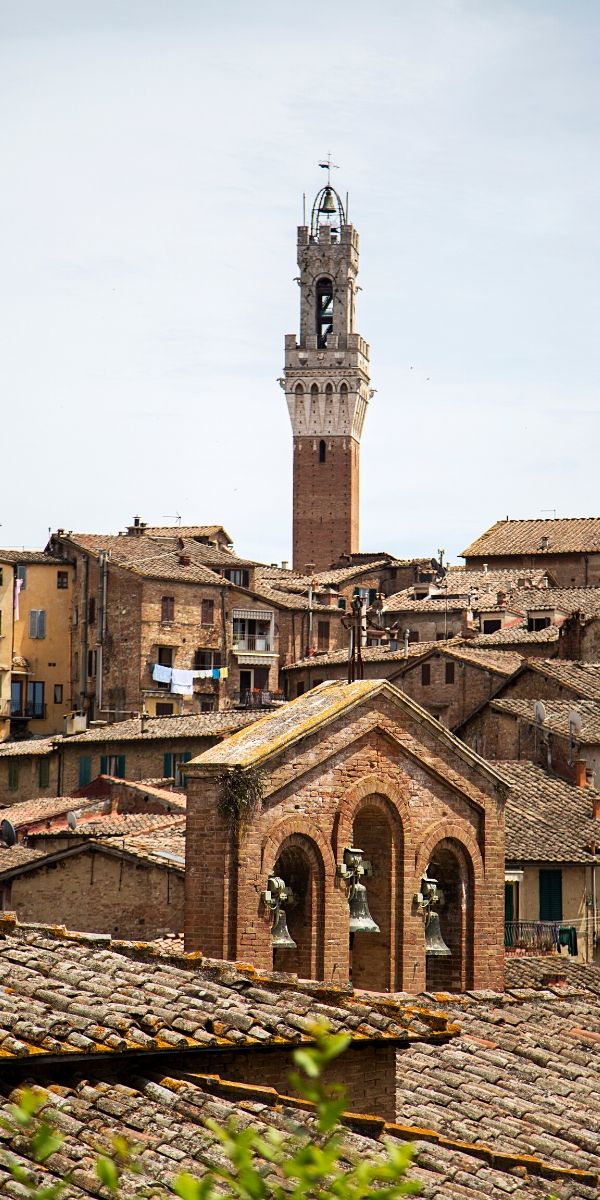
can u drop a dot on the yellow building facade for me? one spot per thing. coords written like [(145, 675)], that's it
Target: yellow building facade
[(35, 643)]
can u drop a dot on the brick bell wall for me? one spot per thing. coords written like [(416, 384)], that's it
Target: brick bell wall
[(351, 784), (325, 508)]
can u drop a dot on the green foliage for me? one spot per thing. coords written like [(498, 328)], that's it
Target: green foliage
[(241, 795), (310, 1162)]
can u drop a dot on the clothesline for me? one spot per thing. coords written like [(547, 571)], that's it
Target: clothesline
[(182, 682)]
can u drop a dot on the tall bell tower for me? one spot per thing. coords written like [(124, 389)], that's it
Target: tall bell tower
[(326, 383)]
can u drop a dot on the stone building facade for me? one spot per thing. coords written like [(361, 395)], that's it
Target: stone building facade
[(568, 548), (326, 381), (350, 765)]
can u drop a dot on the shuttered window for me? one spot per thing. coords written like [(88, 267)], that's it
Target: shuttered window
[(37, 623), (13, 776), (43, 773), (551, 896), (113, 764), (85, 769)]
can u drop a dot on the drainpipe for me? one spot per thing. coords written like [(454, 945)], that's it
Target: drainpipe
[(103, 570), (84, 636), (223, 641)]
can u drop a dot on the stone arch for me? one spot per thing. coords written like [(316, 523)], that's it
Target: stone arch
[(297, 824), (372, 816), (299, 390), (455, 861), (300, 864)]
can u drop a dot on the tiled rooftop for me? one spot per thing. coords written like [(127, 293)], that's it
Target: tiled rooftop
[(33, 557), (79, 993), (536, 829), (582, 678), (377, 654), (151, 558), (517, 635), (557, 715), (502, 662), (213, 724), (44, 808), (566, 535), (20, 746)]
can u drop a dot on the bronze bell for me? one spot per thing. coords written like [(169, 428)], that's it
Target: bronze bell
[(434, 942), (280, 934), (327, 204), (361, 920)]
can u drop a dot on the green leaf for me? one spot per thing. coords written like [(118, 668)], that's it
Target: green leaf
[(107, 1172), (45, 1142)]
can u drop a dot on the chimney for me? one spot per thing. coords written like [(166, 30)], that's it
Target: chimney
[(580, 773), (466, 626), (501, 599), (485, 568), (596, 809), (285, 564), (309, 568)]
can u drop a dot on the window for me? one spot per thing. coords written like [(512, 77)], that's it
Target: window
[(113, 764), (165, 659), (241, 578), (324, 311), (322, 451), (37, 623), (22, 575), (85, 770), (13, 776), (167, 609), (207, 704), (449, 672), (207, 612), (58, 693), (164, 710), (299, 689), (35, 699), (491, 626), (534, 623), (426, 674), (323, 635), (173, 767), (413, 635), (43, 773), (92, 663), (62, 580), (551, 896), (207, 660), (92, 610)]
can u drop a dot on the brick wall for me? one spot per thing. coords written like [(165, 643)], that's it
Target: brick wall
[(325, 507), (25, 770), (367, 1072), (349, 779), (96, 892), (568, 570), (450, 701), (143, 760)]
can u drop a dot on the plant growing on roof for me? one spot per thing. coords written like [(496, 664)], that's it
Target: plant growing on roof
[(241, 795)]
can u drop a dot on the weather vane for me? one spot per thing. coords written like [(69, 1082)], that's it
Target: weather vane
[(327, 165)]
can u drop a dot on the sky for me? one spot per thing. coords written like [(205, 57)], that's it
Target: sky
[(154, 156)]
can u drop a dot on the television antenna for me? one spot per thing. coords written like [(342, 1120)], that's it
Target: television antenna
[(8, 833), (176, 517)]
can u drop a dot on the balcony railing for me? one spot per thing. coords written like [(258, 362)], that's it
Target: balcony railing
[(259, 698), (28, 712), (256, 642), (541, 937)]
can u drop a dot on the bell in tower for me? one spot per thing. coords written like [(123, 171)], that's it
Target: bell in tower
[(326, 381)]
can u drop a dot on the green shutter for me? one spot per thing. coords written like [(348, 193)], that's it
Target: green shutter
[(104, 764), (509, 906), (167, 766), (121, 766), (187, 756), (372, 595), (43, 772), (85, 769), (551, 896), (13, 776)]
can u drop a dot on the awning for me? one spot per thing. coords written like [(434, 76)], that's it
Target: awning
[(252, 614)]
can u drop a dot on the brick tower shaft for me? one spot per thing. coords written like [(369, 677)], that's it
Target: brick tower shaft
[(326, 382)]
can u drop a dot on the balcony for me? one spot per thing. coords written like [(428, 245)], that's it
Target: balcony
[(256, 643), (257, 698), (531, 937), (28, 712)]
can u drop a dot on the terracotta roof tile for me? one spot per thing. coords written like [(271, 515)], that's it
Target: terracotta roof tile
[(20, 746), (376, 654), (517, 635), (32, 556), (536, 829), (557, 716), (566, 535), (582, 678), (213, 724)]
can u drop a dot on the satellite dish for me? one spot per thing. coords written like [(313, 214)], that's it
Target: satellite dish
[(8, 832), (539, 712), (71, 820), (575, 724)]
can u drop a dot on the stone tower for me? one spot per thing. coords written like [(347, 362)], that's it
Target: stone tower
[(327, 388)]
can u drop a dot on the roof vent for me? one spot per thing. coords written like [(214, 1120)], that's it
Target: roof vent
[(545, 542)]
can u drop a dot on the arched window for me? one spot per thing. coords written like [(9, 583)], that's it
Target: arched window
[(324, 311), (299, 390), (343, 391), (329, 390), (322, 451)]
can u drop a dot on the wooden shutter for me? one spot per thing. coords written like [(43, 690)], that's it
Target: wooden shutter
[(41, 623), (551, 895), (104, 764), (13, 776), (167, 766), (33, 623), (85, 769), (43, 772), (120, 766)]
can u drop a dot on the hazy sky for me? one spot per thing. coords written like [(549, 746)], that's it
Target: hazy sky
[(154, 155)]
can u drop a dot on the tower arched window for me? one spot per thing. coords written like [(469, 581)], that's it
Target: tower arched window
[(324, 311), (329, 390), (299, 390), (343, 391), (322, 451)]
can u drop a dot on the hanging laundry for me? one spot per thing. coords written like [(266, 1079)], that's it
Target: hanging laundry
[(161, 674), (182, 682), (203, 674), (224, 672), (216, 672)]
